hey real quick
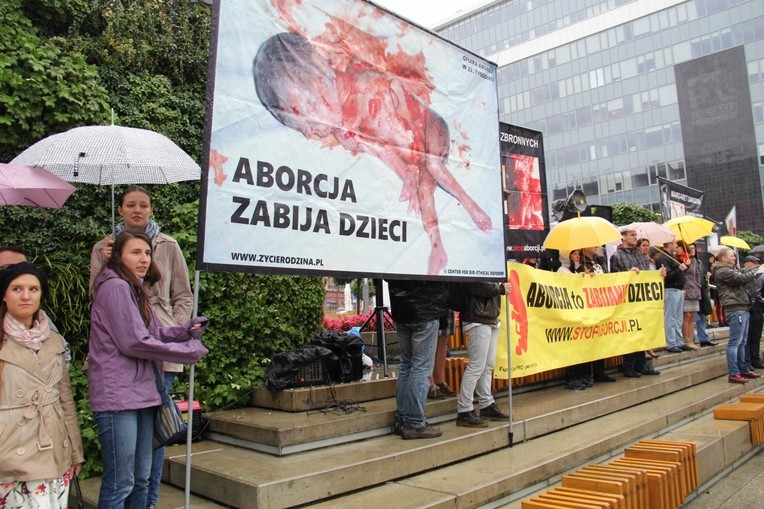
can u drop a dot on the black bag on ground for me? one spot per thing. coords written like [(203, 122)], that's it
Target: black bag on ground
[(285, 368), (348, 349)]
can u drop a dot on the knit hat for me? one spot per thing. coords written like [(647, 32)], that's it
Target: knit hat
[(12, 272)]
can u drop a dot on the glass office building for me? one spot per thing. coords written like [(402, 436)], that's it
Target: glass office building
[(626, 91)]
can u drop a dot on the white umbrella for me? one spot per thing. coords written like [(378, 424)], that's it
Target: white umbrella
[(109, 155), (656, 233)]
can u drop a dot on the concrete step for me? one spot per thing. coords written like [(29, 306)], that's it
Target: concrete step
[(246, 478), (343, 413), (170, 497), (503, 478)]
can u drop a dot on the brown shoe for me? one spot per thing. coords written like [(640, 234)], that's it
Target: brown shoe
[(445, 390), (434, 393), (426, 431)]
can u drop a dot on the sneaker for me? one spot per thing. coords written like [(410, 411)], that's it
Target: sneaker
[(750, 374), (630, 373), (434, 393), (470, 420), (446, 390), (426, 431), (586, 381), (651, 371), (604, 378), (493, 413), (736, 379)]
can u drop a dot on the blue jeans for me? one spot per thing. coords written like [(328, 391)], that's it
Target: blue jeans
[(736, 346), (673, 306), (126, 454), (417, 342), (700, 325), (157, 460), (476, 381)]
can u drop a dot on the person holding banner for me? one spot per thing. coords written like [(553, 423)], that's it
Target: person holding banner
[(480, 323), (416, 307), (629, 258), (171, 298), (730, 283), (673, 303), (126, 337)]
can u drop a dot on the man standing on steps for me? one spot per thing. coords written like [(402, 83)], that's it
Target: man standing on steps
[(416, 307), (628, 257), (479, 316)]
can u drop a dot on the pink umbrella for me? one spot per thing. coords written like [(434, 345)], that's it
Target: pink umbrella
[(32, 186)]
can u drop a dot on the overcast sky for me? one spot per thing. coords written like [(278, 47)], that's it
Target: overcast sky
[(427, 13)]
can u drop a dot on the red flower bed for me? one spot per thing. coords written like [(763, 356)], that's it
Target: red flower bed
[(343, 323)]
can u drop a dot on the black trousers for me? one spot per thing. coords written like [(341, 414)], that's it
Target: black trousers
[(634, 361), (753, 348)]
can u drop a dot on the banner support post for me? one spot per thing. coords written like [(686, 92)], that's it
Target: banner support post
[(509, 373), (190, 414)]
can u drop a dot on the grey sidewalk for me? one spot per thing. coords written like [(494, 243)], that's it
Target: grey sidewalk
[(741, 488)]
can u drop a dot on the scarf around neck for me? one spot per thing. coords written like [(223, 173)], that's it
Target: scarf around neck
[(152, 229), (30, 338)]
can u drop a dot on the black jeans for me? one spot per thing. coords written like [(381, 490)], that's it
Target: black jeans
[(753, 348)]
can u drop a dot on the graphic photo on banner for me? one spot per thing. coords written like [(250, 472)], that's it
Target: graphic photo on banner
[(343, 139), (524, 181)]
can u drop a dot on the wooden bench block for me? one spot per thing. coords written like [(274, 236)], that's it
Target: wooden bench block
[(599, 483), (688, 455), (615, 501), (571, 500), (654, 453), (667, 475), (635, 477)]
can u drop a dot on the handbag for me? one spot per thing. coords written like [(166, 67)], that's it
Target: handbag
[(169, 425), (75, 482)]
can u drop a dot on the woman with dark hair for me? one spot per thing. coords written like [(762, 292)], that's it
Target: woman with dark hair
[(40, 443), (170, 297), (125, 338), (692, 290)]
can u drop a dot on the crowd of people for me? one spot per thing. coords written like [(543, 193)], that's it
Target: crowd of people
[(140, 322), (141, 328)]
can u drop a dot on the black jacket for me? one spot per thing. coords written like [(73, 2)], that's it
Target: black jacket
[(417, 301), (483, 303), (674, 275)]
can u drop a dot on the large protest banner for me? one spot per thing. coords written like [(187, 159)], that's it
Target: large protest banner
[(343, 139), (558, 320), (524, 176), (678, 200)]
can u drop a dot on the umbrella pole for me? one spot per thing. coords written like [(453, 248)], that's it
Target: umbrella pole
[(112, 208), (189, 434)]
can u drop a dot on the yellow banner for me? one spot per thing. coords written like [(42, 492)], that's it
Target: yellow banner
[(558, 320)]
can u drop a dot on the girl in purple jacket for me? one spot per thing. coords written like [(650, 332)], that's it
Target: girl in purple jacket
[(125, 337)]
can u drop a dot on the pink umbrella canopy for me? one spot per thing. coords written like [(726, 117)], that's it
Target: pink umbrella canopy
[(32, 187)]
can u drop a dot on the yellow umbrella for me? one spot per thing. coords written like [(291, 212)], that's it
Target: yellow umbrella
[(690, 228), (729, 240), (581, 232)]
